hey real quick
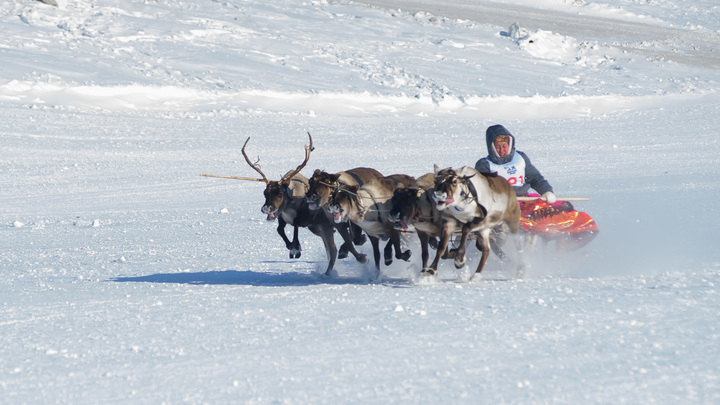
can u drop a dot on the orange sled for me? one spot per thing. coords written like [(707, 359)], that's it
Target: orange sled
[(570, 229)]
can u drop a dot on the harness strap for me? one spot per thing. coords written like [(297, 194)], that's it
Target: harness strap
[(473, 192), (357, 200), (361, 206), (355, 177)]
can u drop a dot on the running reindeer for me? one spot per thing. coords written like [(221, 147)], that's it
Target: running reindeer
[(322, 185), (285, 201), (367, 206), (476, 202), (415, 207)]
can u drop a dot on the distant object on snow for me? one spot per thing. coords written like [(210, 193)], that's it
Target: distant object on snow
[(516, 32), (50, 2)]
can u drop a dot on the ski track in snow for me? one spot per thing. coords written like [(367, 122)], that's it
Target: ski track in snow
[(128, 278)]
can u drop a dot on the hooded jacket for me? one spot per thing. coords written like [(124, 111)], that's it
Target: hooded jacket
[(515, 160)]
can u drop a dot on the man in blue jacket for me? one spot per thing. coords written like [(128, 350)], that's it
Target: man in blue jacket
[(512, 164)]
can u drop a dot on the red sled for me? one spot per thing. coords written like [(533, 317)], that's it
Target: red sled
[(559, 222)]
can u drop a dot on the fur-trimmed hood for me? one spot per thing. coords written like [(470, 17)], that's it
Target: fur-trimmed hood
[(490, 135)]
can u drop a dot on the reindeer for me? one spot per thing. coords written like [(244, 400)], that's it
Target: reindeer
[(285, 201), (321, 186), (415, 206), (367, 206), (478, 203)]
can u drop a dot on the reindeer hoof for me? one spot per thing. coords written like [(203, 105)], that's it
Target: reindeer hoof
[(406, 255), (388, 262), (429, 272), (344, 249), (362, 258), (459, 262), (433, 242)]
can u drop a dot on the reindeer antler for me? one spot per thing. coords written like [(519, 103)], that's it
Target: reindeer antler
[(254, 166), (308, 149)]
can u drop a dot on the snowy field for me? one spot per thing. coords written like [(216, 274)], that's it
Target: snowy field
[(129, 278)]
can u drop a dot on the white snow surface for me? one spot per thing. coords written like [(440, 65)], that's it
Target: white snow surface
[(129, 278)]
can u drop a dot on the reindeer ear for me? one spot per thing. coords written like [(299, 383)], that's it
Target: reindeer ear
[(436, 167), (334, 177)]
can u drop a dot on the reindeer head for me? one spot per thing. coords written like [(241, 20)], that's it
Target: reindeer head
[(322, 184), (277, 193), (274, 199), (447, 183), (451, 189), (404, 207), (342, 202)]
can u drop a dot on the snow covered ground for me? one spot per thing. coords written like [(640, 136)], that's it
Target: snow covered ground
[(128, 278)]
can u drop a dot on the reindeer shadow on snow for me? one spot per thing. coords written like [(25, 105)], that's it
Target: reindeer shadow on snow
[(280, 278)]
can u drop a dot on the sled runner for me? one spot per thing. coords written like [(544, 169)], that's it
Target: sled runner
[(559, 222)]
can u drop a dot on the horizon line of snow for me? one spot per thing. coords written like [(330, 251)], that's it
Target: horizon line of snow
[(171, 98)]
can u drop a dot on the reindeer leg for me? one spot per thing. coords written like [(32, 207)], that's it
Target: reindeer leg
[(399, 254), (345, 234), (424, 241), (460, 254), (444, 239), (497, 240), (433, 241), (387, 253), (485, 235), (295, 250), (358, 236), (329, 242), (375, 242), (344, 231), (478, 242), (281, 232), (515, 231)]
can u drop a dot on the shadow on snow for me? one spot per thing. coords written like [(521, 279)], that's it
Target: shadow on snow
[(242, 277)]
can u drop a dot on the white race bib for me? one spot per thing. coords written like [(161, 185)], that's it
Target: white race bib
[(513, 171)]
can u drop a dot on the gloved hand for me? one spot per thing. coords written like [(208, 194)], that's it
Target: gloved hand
[(549, 197)]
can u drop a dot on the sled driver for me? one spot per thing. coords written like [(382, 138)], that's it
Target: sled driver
[(512, 164)]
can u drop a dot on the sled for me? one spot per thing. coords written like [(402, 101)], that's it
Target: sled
[(559, 222)]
